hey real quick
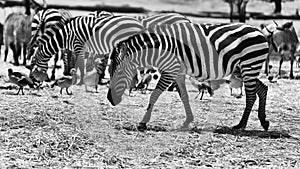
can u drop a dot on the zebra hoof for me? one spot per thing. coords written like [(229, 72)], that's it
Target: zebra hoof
[(266, 125), (239, 127), (142, 127)]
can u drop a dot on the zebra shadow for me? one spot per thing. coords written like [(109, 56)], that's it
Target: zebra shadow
[(274, 134), (133, 127)]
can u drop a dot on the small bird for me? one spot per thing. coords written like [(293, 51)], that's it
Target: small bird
[(20, 79), (38, 77), (201, 86), (66, 81)]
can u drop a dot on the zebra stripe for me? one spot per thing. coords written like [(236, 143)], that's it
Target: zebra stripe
[(203, 51), (83, 32), (148, 21)]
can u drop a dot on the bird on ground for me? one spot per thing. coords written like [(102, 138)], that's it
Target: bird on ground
[(38, 77), (202, 87), (20, 79), (66, 81)]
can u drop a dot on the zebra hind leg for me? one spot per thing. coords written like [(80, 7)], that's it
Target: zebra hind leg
[(250, 99), (181, 88), (261, 90)]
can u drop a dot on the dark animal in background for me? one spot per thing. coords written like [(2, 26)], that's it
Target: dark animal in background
[(1, 37), (283, 39), (65, 82), (17, 31), (20, 79)]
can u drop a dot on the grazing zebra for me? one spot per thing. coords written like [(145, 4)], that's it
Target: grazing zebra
[(96, 35), (43, 20), (283, 39), (203, 51)]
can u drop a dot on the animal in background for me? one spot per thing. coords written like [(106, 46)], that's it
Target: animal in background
[(65, 82), (1, 37), (91, 78), (20, 79), (17, 31), (41, 22), (282, 39)]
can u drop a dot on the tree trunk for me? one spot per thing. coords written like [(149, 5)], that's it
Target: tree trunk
[(238, 10), (27, 7)]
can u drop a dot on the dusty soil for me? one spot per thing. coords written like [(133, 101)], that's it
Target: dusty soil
[(43, 129)]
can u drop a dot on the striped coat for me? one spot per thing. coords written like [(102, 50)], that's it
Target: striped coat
[(203, 51)]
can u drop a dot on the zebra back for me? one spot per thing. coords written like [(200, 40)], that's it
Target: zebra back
[(163, 18), (46, 19), (207, 51)]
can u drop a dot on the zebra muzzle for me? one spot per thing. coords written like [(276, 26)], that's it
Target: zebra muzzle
[(112, 98)]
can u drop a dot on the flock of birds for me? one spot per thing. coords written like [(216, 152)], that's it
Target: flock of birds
[(140, 82)]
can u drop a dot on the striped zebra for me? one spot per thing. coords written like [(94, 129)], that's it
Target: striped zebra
[(284, 40), (149, 21), (96, 35), (42, 21), (203, 51)]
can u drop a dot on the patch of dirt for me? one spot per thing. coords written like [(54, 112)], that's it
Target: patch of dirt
[(44, 129)]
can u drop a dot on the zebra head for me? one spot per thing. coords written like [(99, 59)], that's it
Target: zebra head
[(121, 72)]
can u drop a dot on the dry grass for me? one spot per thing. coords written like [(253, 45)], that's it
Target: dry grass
[(47, 130), (44, 129)]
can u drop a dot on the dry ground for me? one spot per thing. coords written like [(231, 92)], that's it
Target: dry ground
[(43, 129)]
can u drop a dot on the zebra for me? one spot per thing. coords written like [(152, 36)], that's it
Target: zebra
[(149, 21), (203, 51), (43, 20), (283, 39), (96, 35)]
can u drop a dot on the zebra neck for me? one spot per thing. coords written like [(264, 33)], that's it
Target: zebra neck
[(150, 50)]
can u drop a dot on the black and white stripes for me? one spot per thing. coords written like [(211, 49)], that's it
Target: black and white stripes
[(203, 51)]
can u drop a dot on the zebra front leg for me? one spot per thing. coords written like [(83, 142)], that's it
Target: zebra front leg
[(81, 65), (250, 99), (280, 63), (54, 67), (262, 90), (292, 63), (181, 88), (164, 82), (147, 116)]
